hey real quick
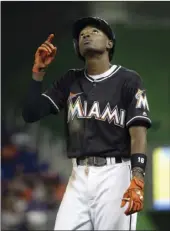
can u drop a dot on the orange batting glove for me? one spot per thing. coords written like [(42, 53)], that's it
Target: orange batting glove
[(44, 55), (134, 196)]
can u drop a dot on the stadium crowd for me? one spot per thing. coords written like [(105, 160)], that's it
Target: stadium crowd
[(30, 193)]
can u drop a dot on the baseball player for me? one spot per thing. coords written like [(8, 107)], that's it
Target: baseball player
[(106, 116)]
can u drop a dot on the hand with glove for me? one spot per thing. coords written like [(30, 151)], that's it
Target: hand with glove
[(44, 55), (134, 196)]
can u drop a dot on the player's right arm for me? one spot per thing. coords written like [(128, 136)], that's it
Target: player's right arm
[(38, 104)]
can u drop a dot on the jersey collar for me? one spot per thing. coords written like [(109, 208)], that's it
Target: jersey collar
[(103, 76)]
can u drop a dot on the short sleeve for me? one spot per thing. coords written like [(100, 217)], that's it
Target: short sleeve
[(138, 107), (58, 93)]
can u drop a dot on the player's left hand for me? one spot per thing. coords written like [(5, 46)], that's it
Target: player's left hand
[(134, 196)]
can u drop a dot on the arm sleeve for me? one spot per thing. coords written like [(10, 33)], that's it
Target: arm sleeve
[(58, 93), (38, 105), (138, 107)]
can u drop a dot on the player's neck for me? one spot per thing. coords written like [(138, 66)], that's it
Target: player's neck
[(97, 65)]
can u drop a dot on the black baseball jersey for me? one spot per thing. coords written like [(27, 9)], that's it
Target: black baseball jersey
[(100, 109)]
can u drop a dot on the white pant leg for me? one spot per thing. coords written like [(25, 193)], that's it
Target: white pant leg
[(73, 213), (112, 182)]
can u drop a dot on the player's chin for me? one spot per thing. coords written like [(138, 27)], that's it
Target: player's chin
[(90, 51)]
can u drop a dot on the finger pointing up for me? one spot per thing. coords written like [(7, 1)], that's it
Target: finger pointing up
[(50, 38)]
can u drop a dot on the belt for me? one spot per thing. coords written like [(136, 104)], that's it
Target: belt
[(97, 161)]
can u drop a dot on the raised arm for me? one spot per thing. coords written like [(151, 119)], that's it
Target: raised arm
[(35, 105), (39, 104)]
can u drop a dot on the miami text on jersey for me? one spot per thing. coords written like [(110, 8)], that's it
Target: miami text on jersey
[(79, 110)]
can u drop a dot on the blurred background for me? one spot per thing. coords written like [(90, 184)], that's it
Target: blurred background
[(34, 167)]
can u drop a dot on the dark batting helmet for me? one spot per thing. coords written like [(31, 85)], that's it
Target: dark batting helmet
[(98, 23)]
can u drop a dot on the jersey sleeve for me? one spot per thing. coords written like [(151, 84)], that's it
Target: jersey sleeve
[(138, 107), (58, 93)]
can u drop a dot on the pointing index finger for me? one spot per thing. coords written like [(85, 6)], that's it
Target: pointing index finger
[(50, 38)]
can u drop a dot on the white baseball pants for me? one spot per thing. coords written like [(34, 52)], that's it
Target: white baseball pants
[(93, 197)]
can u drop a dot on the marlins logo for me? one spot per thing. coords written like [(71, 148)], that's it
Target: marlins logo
[(80, 110), (141, 99)]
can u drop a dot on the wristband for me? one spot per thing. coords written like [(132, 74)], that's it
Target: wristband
[(138, 160), (38, 70)]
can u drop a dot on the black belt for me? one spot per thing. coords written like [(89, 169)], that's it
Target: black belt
[(96, 161)]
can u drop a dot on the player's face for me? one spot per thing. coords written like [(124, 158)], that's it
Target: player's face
[(93, 40)]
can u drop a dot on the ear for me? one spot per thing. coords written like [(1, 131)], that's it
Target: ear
[(109, 44)]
